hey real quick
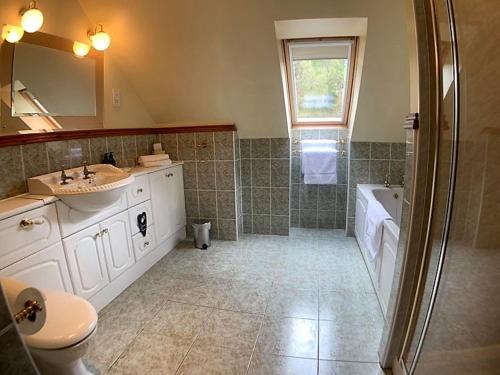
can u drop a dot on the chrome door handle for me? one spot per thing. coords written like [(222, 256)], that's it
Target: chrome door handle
[(26, 223)]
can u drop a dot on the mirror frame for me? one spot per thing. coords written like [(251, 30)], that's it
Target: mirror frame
[(7, 121)]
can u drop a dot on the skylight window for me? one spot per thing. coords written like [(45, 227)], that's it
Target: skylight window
[(320, 75)]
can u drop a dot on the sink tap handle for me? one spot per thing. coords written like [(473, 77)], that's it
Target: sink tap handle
[(64, 177), (86, 172)]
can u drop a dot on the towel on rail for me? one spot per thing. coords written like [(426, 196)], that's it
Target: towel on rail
[(376, 214)]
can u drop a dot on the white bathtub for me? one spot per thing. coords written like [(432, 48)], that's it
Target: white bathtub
[(381, 269)]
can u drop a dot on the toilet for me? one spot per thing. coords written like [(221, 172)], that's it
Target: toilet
[(59, 347)]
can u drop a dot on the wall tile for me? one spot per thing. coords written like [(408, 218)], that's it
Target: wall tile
[(98, 148), (340, 219), (341, 198), (262, 224), (169, 143), (245, 148), (261, 172), (308, 218), (261, 148), (190, 181), (350, 227), (224, 145), (359, 172), (295, 196), (131, 152), (309, 134), (114, 145), (378, 170), (247, 224), (360, 150), (191, 197), (280, 173), (380, 150), (326, 219), (11, 170), (296, 170), (280, 148), (261, 201), (208, 203), (280, 204), (398, 151), (351, 205), (308, 197), (140, 142), (204, 143), (238, 173), (225, 175), (327, 197), (247, 200), (342, 171), (397, 171), (78, 151), (236, 145), (186, 146), (226, 208), (294, 218), (227, 230), (35, 159), (246, 172), (280, 225), (206, 175), (329, 134)]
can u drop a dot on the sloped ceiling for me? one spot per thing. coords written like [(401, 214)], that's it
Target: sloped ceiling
[(194, 60)]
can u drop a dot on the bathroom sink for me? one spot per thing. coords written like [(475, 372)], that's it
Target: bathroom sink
[(101, 190)]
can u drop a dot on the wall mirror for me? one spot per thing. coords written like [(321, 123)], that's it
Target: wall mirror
[(45, 87)]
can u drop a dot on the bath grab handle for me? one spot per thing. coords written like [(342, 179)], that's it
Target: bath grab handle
[(31, 307), (27, 223)]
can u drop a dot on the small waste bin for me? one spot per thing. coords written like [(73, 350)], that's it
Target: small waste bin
[(202, 235)]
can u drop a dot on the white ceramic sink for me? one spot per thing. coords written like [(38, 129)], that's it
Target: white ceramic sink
[(101, 190)]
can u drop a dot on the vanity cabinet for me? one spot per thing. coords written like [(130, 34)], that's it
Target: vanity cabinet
[(86, 261), (44, 269), (167, 200), (117, 241)]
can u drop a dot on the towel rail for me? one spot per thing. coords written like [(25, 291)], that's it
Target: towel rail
[(342, 150)]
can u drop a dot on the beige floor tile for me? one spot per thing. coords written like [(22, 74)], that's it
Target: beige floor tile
[(349, 368), (350, 307), (231, 330), (348, 341), (152, 354), (289, 337), (202, 360), (202, 293), (266, 364), (293, 303), (179, 319), (245, 297)]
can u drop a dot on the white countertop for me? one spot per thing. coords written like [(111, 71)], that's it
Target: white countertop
[(26, 202)]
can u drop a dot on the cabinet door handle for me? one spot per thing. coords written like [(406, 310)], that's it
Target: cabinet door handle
[(146, 243), (26, 223), (139, 190), (170, 174), (104, 231)]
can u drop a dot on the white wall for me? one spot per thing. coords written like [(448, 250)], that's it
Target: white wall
[(198, 61)]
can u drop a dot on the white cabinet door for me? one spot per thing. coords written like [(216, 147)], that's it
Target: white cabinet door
[(138, 191), (85, 254), (117, 241), (167, 200), (46, 269), (144, 244)]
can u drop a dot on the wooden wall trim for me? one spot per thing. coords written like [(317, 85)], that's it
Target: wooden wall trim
[(21, 139)]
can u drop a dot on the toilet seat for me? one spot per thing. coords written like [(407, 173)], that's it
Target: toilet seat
[(70, 319)]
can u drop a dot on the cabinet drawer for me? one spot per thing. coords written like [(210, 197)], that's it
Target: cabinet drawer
[(143, 245), (139, 210), (138, 191), (47, 269), (19, 241)]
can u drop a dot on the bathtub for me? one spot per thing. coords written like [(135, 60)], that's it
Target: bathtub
[(381, 269)]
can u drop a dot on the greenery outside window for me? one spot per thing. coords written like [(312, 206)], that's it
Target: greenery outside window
[(320, 74)]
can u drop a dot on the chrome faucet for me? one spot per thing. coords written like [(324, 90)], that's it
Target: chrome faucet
[(86, 172), (64, 176), (387, 182)]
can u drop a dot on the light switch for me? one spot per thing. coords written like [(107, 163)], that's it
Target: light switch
[(117, 98)]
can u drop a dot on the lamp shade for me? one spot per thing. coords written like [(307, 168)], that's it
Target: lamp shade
[(100, 40), (32, 20), (81, 49), (12, 34)]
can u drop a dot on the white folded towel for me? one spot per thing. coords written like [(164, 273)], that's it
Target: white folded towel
[(157, 163), (152, 158), (376, 214), (319, 162)]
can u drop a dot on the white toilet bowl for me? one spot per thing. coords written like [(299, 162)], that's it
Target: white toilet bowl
[(58, 348)]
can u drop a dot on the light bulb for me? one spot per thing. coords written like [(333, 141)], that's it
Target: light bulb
[(100, 41), (12, 34), (32, 20), (80, 49)]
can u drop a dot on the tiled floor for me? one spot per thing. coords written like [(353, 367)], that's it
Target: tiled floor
[(301, 305)]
